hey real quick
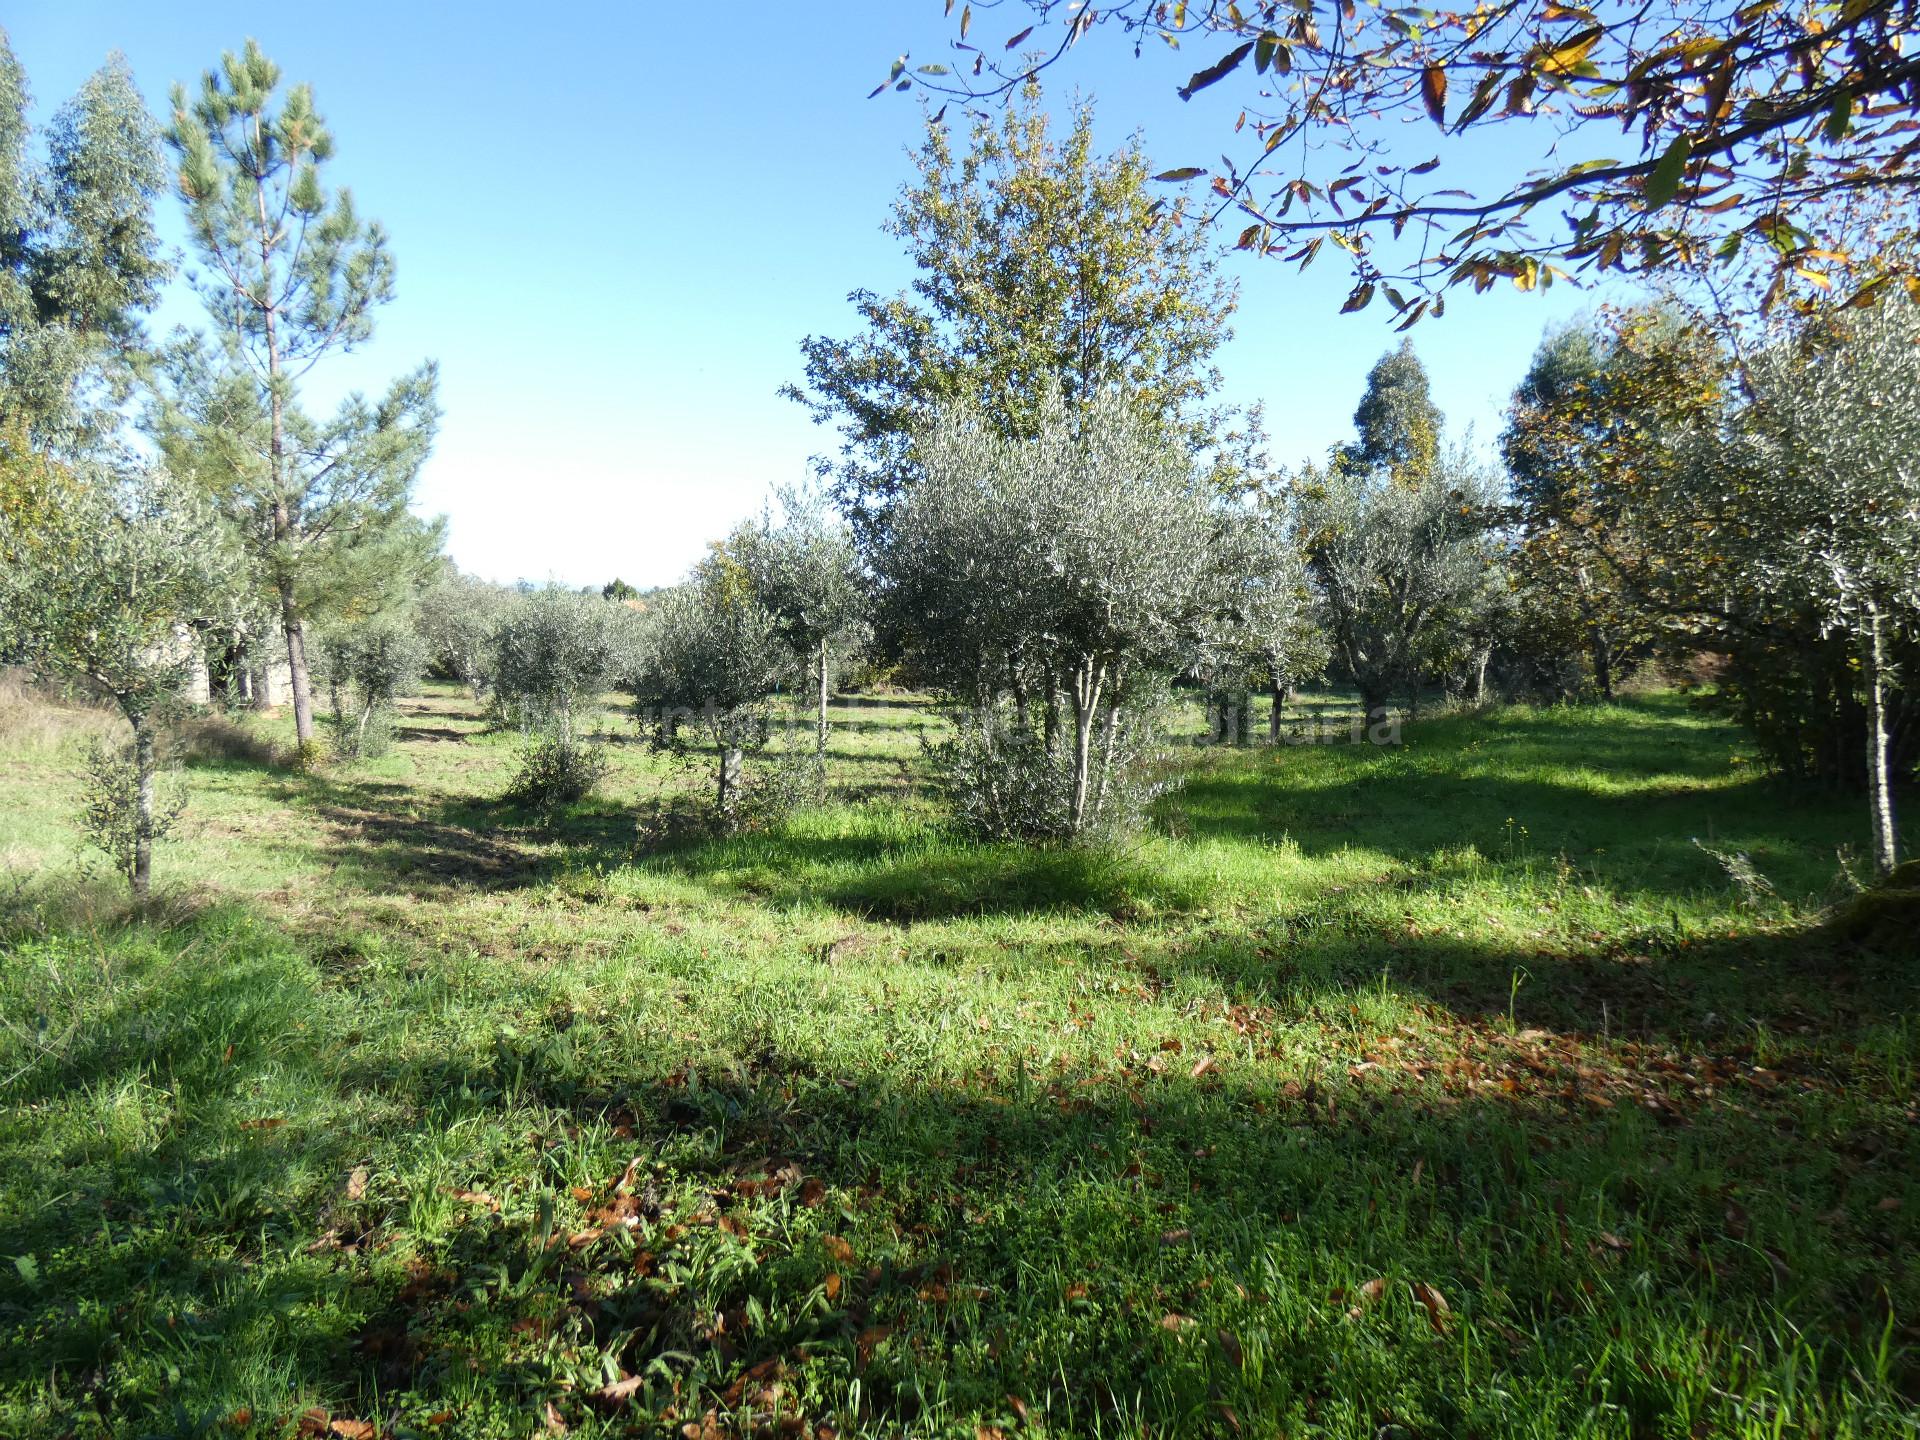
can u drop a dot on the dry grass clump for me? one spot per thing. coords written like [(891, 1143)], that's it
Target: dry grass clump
[(38, 719)]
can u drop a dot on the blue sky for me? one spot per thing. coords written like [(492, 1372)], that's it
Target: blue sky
[(614, 222)]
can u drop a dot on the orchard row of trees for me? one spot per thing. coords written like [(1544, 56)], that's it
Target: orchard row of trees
[(1044, 512)]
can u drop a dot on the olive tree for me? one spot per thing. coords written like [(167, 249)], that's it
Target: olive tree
[(804, 571), (553, 650), (1262, 627), (1400, 563), (1814, 487), (106, 588), (367, 665), (458, 616), (1068, 569), (715, 656)]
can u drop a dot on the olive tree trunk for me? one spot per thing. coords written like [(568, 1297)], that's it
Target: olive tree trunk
[(1280, 688), (1879, 780), (727, 795), (1086, 700), (141, 876), (820, 730)]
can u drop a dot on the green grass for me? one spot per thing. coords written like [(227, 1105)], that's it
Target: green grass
[(402, 1108)]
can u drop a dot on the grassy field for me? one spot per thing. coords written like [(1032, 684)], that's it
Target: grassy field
[(1446, 1089)]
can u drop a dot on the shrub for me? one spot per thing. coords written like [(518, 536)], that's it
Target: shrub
[(557, 770), (112, 816), (1006, 781)]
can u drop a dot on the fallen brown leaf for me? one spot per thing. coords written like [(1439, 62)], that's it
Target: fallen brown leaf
[(1435, 1303), (838, 1248), (620, 1390)]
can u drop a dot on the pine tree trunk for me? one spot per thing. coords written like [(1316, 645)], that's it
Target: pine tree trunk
[(300, 684), (1879, 780), (1602, 664), (143, 764), (283, 535)]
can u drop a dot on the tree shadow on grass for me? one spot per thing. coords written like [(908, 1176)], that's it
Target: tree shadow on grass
[(1790, 984), (390, 837), (873, 876), (1641, 840), (1117, 1235), (164, 1139), (1111, 1237)]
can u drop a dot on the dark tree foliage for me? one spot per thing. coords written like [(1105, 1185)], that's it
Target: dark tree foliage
[(80, 262), (1045, 267)]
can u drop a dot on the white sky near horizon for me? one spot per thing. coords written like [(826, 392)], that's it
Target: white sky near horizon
[(614, 224)]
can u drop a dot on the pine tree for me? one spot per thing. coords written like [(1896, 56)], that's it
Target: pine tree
[(294, 275)]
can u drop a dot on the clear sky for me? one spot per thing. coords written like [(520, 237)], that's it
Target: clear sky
[(615, 221)]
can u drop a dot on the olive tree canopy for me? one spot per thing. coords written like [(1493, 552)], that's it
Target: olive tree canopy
[(1065, 570)]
